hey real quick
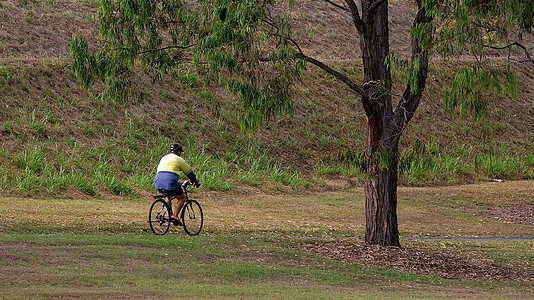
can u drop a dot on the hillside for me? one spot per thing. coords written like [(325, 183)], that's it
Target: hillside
[(57, 139)]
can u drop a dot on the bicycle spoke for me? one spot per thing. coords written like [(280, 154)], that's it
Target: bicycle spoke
[(159, 223), (192, 217)]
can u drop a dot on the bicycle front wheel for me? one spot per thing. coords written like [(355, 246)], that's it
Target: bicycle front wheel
[(158, 217), (192, 217)]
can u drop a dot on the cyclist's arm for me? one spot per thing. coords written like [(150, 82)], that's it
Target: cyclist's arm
[(191, 175), (188, 171)]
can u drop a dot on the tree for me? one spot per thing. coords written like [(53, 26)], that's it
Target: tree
[(251, 50)]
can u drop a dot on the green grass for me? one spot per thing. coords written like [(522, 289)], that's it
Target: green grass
[(122, 165), (429, 163), (222, 266), (498, 164)]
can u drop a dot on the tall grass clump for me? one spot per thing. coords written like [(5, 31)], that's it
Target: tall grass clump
[(497, 164), (347, 163), (250, 161), (39, 125), (28, 182), (346, 169), (425, 162), (103, 174), (530, 160), (4, 152), (254, 174), (32, 160), (288, 176), (4, 178), (143, 180), (214, 172), (82, 182)]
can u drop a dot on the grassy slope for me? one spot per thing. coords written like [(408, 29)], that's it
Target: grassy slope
[(57, 139)]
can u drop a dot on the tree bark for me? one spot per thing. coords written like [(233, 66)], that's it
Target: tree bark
[(381, 194), (382, 144)]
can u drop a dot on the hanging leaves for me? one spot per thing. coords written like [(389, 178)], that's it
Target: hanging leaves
[(234, 42), (473, 25), (470, 84)]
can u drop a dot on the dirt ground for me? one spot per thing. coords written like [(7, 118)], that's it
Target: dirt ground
[(517, 214), (442, 264)]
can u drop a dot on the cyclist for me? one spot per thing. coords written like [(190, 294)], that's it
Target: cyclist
[(166, 180)]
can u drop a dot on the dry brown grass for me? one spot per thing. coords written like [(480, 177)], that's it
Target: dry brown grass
[(435, 211)]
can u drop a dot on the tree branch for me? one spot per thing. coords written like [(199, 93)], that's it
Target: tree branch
[(353, 86), (337, 5), (165, 48), (410, 101), (509, 47), (287, 37), (360, 25)]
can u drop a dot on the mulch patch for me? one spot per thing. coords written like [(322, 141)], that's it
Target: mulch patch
[(517, 214), (445, 265)]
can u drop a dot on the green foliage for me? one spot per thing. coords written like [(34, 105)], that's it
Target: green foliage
[(477, 27), (407, 72), (496, 164), (475, 24), (226, 38), (471, 83), (244, 60)]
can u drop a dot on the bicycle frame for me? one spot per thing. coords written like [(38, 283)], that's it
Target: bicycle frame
[(191, 209), (169, 199)]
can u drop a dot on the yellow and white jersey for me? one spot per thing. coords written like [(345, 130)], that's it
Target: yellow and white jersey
[(173, 163), (168, 172)]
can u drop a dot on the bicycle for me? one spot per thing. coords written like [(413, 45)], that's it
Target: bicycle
[(161, 210)]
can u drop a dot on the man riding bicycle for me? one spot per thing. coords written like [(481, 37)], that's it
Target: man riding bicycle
[(166, 181)]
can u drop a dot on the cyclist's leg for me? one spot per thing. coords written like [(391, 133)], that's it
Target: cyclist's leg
[(179, 195), (179, 204)]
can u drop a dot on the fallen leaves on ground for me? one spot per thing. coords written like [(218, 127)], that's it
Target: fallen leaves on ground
[(517, 214), (441, 264)]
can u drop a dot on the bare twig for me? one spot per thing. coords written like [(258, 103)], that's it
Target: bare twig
[(337, 5), (165, 48), (509, 47)]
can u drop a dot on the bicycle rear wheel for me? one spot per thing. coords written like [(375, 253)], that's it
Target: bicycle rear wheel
[(158, 217), (192, 217)]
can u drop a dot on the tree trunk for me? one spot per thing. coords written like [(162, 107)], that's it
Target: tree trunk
[(385, 125), (381, 195), (382, 138)]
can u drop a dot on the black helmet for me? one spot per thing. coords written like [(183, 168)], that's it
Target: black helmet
[(175, 148)]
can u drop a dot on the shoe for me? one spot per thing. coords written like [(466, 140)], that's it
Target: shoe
[(176, 221)]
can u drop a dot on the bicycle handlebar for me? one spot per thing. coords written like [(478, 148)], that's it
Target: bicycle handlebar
[(187, 183)]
